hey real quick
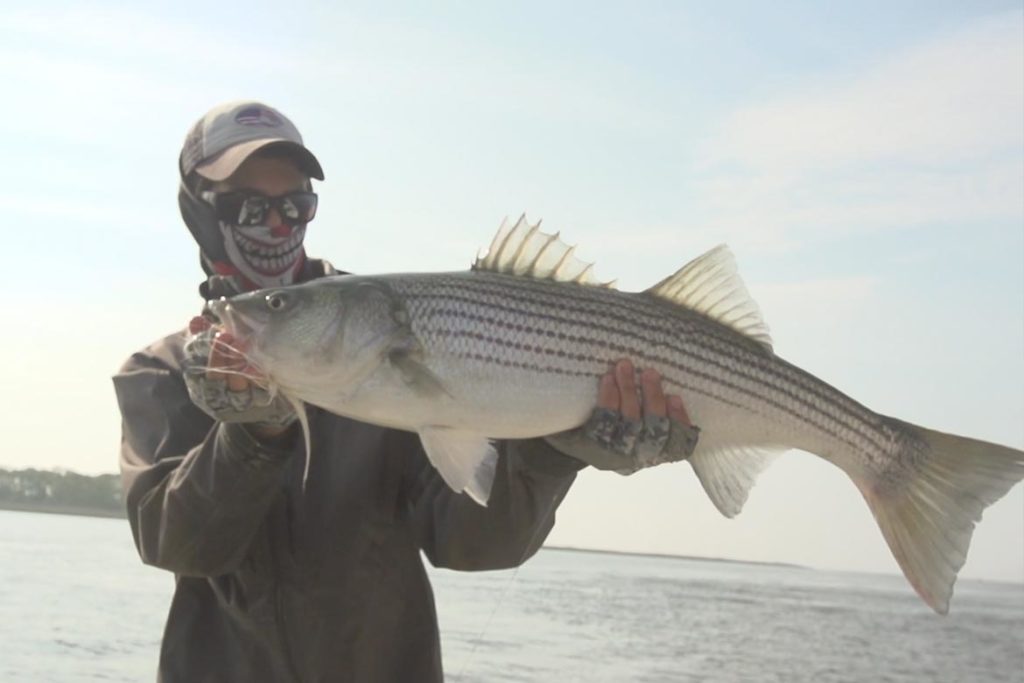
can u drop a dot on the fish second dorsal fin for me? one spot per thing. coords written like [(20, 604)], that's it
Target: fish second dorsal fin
[(522, 249), (710, 284)]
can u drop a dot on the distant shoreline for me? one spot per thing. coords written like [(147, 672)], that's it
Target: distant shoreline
[(49, 508), (80, 511), (667, 556)]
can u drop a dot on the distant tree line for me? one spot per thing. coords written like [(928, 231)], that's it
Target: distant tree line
[(61, 491)]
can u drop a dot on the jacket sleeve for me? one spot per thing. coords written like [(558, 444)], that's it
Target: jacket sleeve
[(196, 491), (454, 532)]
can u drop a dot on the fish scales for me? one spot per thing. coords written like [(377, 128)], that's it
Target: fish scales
[(548, 327), (638, 348), (537, 307), (650, 315)]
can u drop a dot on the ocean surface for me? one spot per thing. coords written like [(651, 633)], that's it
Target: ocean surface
[(77, 605)]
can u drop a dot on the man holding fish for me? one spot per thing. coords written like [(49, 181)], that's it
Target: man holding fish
[(284, 577)]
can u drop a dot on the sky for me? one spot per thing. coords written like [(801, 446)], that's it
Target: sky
[(865, 162)]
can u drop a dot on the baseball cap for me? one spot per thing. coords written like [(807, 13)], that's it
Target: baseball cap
[(228, 134)]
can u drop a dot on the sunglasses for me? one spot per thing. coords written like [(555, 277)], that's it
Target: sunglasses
[(246, 209)]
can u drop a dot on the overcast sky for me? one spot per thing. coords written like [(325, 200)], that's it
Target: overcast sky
[(866, 165)]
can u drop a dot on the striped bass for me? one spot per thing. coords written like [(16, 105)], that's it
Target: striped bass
[(514, 348)]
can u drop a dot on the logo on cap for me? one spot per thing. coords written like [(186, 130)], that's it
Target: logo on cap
[(257, 116)]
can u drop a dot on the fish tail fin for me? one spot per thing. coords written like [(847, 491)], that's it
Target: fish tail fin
[(928, 503)]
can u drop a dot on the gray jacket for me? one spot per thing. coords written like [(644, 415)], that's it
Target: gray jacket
[(274, 583)]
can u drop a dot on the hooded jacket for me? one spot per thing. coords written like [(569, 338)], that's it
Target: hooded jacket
[(279, 584)]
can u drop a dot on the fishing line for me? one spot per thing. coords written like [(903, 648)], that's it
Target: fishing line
[(479, 637), (508, 584)]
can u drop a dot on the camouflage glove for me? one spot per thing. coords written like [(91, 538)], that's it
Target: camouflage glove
[(609, 441), (254, 405)]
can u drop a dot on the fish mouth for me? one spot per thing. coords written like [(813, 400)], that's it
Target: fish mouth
[(234, 319)]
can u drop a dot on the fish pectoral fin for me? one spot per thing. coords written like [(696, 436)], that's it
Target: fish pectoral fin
[(467, 461), (416, 375), (727, 473)]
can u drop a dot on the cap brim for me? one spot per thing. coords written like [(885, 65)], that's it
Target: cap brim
[(223, 166)]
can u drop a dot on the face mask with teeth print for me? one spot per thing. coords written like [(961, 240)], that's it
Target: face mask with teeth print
[(264, 255)]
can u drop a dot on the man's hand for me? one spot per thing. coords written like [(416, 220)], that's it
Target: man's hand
[(630, 429), (221, 382), (617, 392)]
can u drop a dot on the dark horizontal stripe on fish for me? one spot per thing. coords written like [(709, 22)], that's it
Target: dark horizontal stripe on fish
[(502, 342), (595, 302), (776, 374), (755, 387), (545, 294), (652, 317), (549, 296), (760, 398), (520, 365)]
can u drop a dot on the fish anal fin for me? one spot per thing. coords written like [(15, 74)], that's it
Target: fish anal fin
[(727, 473)]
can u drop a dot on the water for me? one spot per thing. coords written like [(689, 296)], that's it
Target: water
[(77, 605)]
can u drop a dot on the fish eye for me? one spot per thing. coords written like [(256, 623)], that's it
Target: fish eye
[(277, 301)]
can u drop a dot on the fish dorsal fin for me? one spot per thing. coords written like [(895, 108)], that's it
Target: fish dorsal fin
[(710, 284), (522, 249)]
